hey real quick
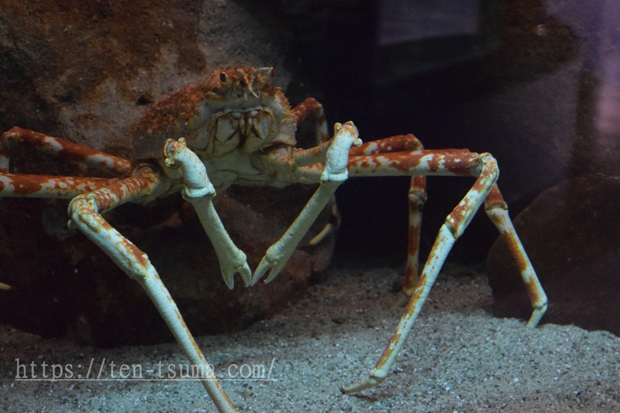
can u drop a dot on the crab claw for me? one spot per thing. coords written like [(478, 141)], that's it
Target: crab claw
[(229, 269), (273, 262)]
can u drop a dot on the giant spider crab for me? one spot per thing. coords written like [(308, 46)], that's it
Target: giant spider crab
[(236, 128)]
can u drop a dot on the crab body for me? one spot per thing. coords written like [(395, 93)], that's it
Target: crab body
[(237, 128), (232, 120)]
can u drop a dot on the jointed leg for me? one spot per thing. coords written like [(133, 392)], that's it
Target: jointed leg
[(497, 210), (85, 214), (453, 228), (333, 223), (397, 143), (200, 192), (334, 173), (445, 162), (63, 149), (311, 108), (47, 186), (417, 198)]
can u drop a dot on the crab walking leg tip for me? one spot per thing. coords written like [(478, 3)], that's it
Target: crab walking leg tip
[(229, 281), (368, 383), (272, 275), (269, 265), (536, 316), (246, 274)]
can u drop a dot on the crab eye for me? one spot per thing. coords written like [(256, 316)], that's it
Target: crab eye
[(223, 77)]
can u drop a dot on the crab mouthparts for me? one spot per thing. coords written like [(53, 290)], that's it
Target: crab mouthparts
[(246, 131)]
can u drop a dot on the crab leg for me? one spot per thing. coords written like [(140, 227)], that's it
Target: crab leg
[(200, 192), (61, 148), (85, 214), (44, 186), (459, 162), (307, 108), (497, 210), (417, 198), (397, 143), (334, 173), (455, 224), (311, 107), (418, 183), (449, 162)]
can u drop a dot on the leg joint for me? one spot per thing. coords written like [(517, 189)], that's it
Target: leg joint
[(417, 198)]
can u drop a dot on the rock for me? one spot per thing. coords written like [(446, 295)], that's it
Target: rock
[(87, 73), (570, 232)]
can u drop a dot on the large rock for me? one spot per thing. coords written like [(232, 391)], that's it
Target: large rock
[(570, 232), (87, 72)]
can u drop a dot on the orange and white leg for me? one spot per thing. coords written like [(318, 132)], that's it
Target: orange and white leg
[(397, 143), (446, 162), (85, 214), (62, 149), (497, 210), (417, 198), (48, 186), (311, 108)]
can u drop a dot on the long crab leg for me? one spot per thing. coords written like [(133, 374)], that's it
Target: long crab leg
[(497, 210), (397, 143), (334, 173), (61, 148), (463, 163), (417, 198), (85, 214), (47, 186), (448, 162), (312, 108), (200, 192)]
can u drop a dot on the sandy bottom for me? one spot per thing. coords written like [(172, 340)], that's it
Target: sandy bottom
[(458, 358)]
